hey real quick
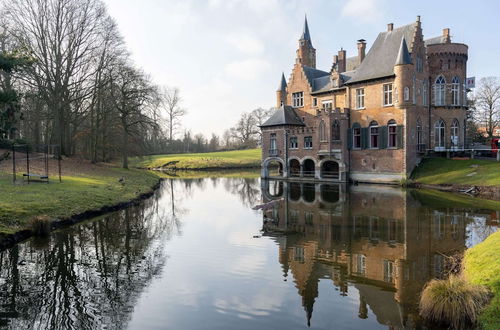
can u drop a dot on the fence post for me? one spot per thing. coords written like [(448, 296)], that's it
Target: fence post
[(498, 155)]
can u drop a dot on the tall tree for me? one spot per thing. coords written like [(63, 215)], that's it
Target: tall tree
[(487, 104), (174, 111)]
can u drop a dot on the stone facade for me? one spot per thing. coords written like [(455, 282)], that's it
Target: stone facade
[(372, 116)]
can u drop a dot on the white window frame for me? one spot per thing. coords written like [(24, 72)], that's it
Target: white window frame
[(406, 93), (440, 91), (425, 94), (439, 135), (387, 95), (455, 132), (272, 142), (455, 91), (377, 127), (298, 99), (327, 105), (354, 135), (389, 133), (308, 144), (360, 98), (295, 144)]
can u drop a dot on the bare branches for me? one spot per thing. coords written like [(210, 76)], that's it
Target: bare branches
[(487, 104)]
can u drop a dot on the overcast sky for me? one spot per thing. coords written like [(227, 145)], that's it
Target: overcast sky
[(226, 56)]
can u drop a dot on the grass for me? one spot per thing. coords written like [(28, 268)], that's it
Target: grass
[(482, 266), (246, 174), (453, 301), (249, 158), (19, 204), (440, 199), (449, 171)]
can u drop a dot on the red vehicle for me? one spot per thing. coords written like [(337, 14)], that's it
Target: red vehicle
[(495, 145)]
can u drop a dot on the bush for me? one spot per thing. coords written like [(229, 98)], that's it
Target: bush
[(40, 225), (454, 301)]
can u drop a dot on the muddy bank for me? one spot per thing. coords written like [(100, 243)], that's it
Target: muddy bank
[(9, 240)]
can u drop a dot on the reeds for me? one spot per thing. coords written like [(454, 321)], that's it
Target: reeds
[(453, 301), (40, 225)]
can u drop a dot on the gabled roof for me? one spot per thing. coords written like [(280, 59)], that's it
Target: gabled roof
[(284, 115), (312, 74), (282, 86), (403, 54), (379, 62)]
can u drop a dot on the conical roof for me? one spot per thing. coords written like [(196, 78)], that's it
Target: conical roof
[(282, 86), (305, 32), (403, 54)]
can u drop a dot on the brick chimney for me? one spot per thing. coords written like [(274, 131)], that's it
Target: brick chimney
[(390, 27), (341, 61), (361, 50), (446, 35)]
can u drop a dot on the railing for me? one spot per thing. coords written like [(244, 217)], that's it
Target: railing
[(330, 175), (308, 173)]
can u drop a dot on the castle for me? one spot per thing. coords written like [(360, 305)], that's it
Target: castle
[(372, 116)]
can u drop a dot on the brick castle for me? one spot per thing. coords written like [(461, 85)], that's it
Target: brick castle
[(372, 116)]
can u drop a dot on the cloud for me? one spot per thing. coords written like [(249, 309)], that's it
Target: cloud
[(249, 69), (246, 43), (363, 10)]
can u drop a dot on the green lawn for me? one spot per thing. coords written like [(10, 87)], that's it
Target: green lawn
[(212, 160), (441, 199), (76, 194), (448, 171), (482, 266)]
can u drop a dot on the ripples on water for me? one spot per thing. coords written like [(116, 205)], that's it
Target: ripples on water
[(197, 256)]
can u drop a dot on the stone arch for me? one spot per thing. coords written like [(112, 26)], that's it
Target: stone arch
[(294, 167), (272, 167), (330, 169), (308, 167)]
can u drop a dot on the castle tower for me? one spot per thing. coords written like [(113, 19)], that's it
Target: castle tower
[(281, 92), (306, 54), (403, 68)]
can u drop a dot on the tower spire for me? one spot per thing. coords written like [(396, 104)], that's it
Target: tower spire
[(403, 54), (305, 32), (306, 54), (282, 86)]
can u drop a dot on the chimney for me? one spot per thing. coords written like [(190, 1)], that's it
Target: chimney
[(390, 27), (361, 50), (446, 35), (341, 61)]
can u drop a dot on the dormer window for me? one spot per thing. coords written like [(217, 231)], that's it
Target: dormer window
[(298, 99)]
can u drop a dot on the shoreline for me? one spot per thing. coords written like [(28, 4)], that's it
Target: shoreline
[(9, 240)]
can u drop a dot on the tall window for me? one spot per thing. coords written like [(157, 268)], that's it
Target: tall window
[(419, 135), (308, 142), (387, 94), (454, 134), (298, 99), (327, 105), (392, 134), (439, 132), (272, 144), (293, 142), (335, 130), (374, 135), (424, 93), (440, 91), (388, 270), (356, 136), (406, 93), (420, 66), (455, 91), (361, 264), (322, 131), (360, 98)]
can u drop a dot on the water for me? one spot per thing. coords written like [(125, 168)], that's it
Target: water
[(196, 256)]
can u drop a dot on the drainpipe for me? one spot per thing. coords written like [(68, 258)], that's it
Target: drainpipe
[(285, 166), (429, 96)]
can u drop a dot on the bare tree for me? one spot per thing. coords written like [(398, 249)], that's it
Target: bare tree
[(246, 130), (174, 111), (487, 104)]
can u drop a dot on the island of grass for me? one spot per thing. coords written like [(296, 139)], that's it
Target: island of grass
[(442, 171), (237, 159), (482, 266), (84, 187)]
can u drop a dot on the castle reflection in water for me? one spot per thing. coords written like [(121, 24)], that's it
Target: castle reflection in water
[(385, 242)]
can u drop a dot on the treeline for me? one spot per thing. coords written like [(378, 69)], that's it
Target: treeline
[(67, 79)]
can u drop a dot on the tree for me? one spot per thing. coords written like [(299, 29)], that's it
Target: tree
[(174, 111), (487, 104), (214, 143), (246, 130)]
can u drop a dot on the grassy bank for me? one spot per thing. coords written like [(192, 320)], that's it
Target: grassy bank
[(460, 172), (440, 199), (482, 266), (91, 188), (211, 160)]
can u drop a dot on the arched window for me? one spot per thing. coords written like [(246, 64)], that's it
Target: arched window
[(336, 130), (440, 91), (322, 131), (439, 133), (392, 134), (420, 140), (455, 91), (374, 138), (425, 95), (406, 93), (356, 136), (454, 133)]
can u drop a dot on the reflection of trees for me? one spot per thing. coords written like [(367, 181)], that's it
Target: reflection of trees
[(247, 189), (89, 275)]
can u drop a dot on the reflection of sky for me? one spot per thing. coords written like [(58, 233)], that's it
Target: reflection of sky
[(219, 277)]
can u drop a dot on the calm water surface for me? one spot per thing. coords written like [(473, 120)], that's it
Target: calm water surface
[(198, 256)]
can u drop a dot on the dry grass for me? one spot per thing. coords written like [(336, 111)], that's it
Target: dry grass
[(40, 225), (454, 301)]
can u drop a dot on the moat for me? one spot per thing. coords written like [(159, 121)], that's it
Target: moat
[(238, 253)]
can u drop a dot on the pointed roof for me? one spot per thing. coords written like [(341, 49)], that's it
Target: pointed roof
[(282, 86), (284, 115), (403, 54), (305, 33)]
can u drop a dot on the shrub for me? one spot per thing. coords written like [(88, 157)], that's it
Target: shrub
[(453, 301), (40, 225)]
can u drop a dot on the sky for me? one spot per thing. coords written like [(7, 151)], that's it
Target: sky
[(227, 56)]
